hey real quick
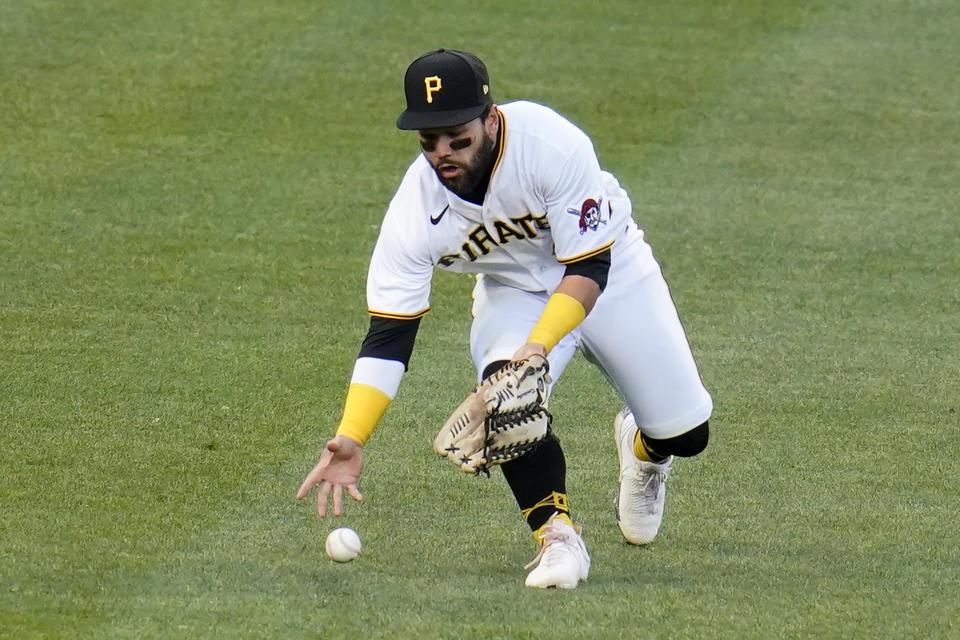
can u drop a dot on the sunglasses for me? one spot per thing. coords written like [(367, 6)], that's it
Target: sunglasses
[(430, 144)]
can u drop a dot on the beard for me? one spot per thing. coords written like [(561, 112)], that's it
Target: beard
[(474, 172)]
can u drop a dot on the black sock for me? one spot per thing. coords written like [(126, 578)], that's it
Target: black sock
[(538, 482), (538, 478)]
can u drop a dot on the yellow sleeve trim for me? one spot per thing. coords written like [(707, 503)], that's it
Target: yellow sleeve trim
[(398, 316), (584, 256), (364, 407), (561, 316)]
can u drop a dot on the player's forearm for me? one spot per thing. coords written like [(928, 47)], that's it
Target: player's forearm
[(376, 375), (570, 303), (582, 289), (373, 386)]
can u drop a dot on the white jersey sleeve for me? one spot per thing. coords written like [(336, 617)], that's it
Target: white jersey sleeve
[(401, 268), (581, 200), (579, 208)]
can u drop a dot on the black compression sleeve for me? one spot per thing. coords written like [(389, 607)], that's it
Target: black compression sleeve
[(595, 267), (390, 339)]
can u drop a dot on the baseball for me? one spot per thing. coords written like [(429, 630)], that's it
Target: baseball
[(343, 544)]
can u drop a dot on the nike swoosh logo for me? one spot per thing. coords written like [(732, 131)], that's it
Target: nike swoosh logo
[(436, 220)]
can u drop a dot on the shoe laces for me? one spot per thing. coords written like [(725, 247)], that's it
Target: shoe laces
[(558, 536), (649, 476)]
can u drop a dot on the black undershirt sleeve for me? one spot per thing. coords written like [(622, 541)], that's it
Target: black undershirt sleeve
[(595, 267), (390, 339)]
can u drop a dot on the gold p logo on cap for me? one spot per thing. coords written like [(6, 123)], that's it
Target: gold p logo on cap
[(433, 85)]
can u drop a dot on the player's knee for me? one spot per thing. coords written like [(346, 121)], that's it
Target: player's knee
[(684, 445)]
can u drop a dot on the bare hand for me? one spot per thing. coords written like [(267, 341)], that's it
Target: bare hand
[(530, 349), (341, 464)]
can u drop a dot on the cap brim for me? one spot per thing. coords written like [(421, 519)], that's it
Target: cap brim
[(416, 120)]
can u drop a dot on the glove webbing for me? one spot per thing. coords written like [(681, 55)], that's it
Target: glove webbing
[(497, 422)]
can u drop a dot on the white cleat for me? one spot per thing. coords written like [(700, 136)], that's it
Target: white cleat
[(640, 496), (563, 558)]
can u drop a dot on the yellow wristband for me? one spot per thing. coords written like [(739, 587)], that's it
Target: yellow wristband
[(561, 316), (364, 407)]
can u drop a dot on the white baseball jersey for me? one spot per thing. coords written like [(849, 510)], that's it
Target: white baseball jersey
[(548, 204)]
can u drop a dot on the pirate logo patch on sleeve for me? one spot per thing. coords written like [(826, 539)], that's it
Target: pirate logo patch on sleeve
[(589, 214)]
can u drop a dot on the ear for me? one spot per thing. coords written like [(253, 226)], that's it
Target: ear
[(492, 123)]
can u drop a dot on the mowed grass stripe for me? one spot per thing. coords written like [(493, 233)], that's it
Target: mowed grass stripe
[(212, 206), (822, 179), (250, 563), (135, 320)]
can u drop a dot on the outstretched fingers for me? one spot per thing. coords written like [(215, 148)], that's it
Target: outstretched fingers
[(337, 500), (326, 489), (354, 492), (340, 465), (312, 478), (322, 496), (305, 487)]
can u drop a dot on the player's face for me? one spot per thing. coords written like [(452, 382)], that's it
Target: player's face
[(461, 155)]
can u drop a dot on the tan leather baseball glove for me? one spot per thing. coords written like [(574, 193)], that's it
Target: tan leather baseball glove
[(502, 419)]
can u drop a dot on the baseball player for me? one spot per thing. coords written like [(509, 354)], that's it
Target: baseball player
[(515, 194)]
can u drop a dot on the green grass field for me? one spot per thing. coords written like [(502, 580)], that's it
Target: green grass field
[(189, 192)]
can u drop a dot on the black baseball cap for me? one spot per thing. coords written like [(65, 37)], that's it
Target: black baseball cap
[(444, 88)]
